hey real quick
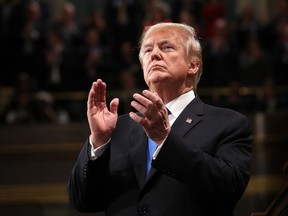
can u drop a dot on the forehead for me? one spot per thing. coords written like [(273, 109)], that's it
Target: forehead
[(162, 35)]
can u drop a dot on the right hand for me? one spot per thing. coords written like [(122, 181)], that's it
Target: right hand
[(101, 121), (154, 117)]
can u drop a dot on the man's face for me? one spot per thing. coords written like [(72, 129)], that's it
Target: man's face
[(164, 60)]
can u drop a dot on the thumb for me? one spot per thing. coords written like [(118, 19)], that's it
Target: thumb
[(114, 105)]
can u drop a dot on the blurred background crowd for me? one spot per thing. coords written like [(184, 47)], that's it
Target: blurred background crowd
[(49, 47)]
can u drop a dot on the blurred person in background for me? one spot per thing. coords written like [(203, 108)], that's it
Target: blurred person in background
[(128, 85), (124, 18), (128, 60), (32, 37), (67, 25), (98, 20), (94, 59), (255, 64), (46, 110), (156, 11), (281, 57), (187, 18), (212, 10), (234, 100), (20, 109), (30, 106), (192, 7), (271, 100), (61, 68), (250, 27), (11, 18), (220, 56)]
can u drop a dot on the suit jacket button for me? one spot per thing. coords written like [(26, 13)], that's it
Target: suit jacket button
[(142, 210)]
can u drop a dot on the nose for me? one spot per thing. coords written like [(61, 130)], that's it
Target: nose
[(156, 54)]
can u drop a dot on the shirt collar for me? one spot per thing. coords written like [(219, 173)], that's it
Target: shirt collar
[(177, 105)]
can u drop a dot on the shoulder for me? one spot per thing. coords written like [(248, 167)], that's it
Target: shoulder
[(210, 109), (223, 116), (228, 118), (198, 106)]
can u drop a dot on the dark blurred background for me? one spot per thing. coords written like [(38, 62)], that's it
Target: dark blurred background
[(52, 50)]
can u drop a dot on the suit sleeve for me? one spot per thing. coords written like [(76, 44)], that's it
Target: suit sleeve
[(222, 174), (87, 186)]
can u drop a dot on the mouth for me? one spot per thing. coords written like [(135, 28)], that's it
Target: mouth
[(157, 67)]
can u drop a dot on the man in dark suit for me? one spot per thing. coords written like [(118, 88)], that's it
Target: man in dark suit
[(201, 163)]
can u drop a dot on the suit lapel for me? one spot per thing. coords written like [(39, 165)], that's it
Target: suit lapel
[(190, 117), (137, 150)]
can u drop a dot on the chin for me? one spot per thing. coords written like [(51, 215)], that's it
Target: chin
[(158, 78)]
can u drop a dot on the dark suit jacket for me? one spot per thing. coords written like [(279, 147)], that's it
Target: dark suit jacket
[(201, 170)]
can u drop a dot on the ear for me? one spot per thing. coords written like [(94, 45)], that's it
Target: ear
[(193, 66)]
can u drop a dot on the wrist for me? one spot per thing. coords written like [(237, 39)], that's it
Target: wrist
[(97, 140)]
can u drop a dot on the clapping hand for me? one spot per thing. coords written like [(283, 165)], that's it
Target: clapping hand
[(155, 115), (102, 120)]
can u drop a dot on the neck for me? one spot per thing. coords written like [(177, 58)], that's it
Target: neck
[(169, 94)]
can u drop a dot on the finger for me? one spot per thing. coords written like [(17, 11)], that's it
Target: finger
[(91, 96), (149, 104), (142, 100), (157, 101), (100, 91), (138, 119), (139, 107), (114, 105), (153, 96)]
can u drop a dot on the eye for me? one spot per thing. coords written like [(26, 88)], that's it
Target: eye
[(147, 50), (167, 47)]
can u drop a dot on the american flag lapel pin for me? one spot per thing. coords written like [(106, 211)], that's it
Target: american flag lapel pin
[(188, 120)]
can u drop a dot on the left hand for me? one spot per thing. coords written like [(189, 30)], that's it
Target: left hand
[(155, 115)]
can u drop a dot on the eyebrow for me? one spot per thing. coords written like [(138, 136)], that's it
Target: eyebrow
[(161, 41)]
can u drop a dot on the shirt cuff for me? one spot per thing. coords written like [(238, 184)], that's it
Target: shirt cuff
[(97, 152)]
